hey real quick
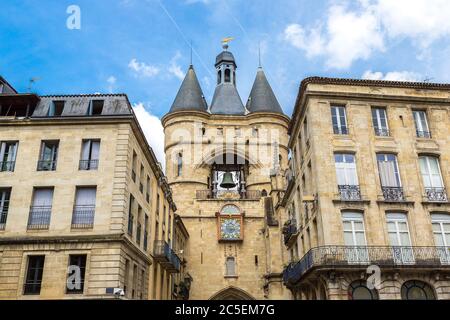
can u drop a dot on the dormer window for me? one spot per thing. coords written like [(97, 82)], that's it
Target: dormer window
[(56, 108), (227, 75), (95, 107)]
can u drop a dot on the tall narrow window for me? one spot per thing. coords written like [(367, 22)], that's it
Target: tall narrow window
[(347, 177), (399, 238), (84, 209), (130, 215), (230, 266), (90, 150), (339, 120), (420, 119), (379, 121), (390, 177), (48, 156), (56, 108), (5, 194), (33, 278), (8, 153), (139, 225), (133, 166), (432, 178), (146, 228), (95, 107), (147, 195), (77, 271), (354, 236), (179, 164), (41, 208), (441, 231), (141, 178), (219, 76), (227, 75)]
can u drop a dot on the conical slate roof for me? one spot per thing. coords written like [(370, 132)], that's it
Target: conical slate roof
[(190, 95), (262, 97), (226, 100)]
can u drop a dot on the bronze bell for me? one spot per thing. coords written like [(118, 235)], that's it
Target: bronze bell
[(227, 181)]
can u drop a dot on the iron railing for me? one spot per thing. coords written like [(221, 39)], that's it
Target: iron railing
[(209, 194), (289, 229), (363, 256), (39, 217), (423, 134), (88, 164), (83, 217), (349, 192), (46, 165), (382, 132), (436, 194), (7, 165), (166, 255), (393, 193)]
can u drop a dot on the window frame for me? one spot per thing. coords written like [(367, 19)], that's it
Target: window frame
[(377, 122), (339, 128)]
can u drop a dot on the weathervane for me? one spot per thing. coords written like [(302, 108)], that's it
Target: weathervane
[(225, 42)]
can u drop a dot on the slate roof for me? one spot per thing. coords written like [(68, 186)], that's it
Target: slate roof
[(262, 98), (226, 100)]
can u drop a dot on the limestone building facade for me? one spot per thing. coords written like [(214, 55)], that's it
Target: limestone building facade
[(86, 211), (223, 162), (366, 209)]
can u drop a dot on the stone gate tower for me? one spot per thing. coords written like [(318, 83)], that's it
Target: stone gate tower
[(225, 164)]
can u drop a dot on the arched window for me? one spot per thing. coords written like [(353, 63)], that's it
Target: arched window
[(179, 164), (227, 75), (417, 290), (230, 209), (358, 290), (264, 193), (230, 266), (219, 76)]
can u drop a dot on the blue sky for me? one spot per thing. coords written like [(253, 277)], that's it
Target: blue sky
[(141, 47)]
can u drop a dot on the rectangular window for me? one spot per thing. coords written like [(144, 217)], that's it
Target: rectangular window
[(432, 178), (130, 216), (179, 164), (95, 107), (355, 236), (56, 108), (379, 121), (146, 227), (237, 132), (8, 153), (90, 151), (347, 177), (339, 119), (399, 239), (441, 231), (48, 156), (84, 209), (420, 119), (33, 277), (126, 276), (133, 166), (139, 226), (390, 177), (76, 275), (41, 208), (147, 196), (230, 267), (5, 195)]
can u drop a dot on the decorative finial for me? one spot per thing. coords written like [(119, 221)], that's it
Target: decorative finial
[(259, 54), (225, 42)]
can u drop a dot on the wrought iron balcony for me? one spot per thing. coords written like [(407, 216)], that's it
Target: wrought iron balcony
[(393, 193), (39, 217), (7, 165), (362, 256), (88, 164), (209, 194), (436, 194), (83, 217), (46, 165), (382, 132), (166, 256), (423, 134), (349, 192), (289, 230)]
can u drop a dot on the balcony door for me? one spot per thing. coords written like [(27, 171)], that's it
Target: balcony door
[(379, 121), (432, 178), (400, 240), (355, 238), (347, 177), (441, 230), (390, 177)]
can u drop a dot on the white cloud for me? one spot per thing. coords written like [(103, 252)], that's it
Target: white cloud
[(393, 76), (143, 69), (111, 83), (153, 130), (174, 68), (312, 42)]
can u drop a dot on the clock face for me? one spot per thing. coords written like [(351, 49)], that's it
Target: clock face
[(230, 229)]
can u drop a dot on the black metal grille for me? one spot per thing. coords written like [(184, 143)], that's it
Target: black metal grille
[(162, 249), (83, 217), (46, 165), (423, 134), (289, 229), (382, 132), (393, 193), (39, 217), (7, 165), (349, 192), (436, 194), (88, 165)]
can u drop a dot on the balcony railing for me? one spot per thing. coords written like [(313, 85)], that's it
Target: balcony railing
[(393, 193), (382, 132), (46, 165), (208, 194), (39, 217), (289, 230), (166, 256), (363, 256), (83, 217), (88, 164), (349, 192), (436, 194), (7, 165), (423, 134)]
